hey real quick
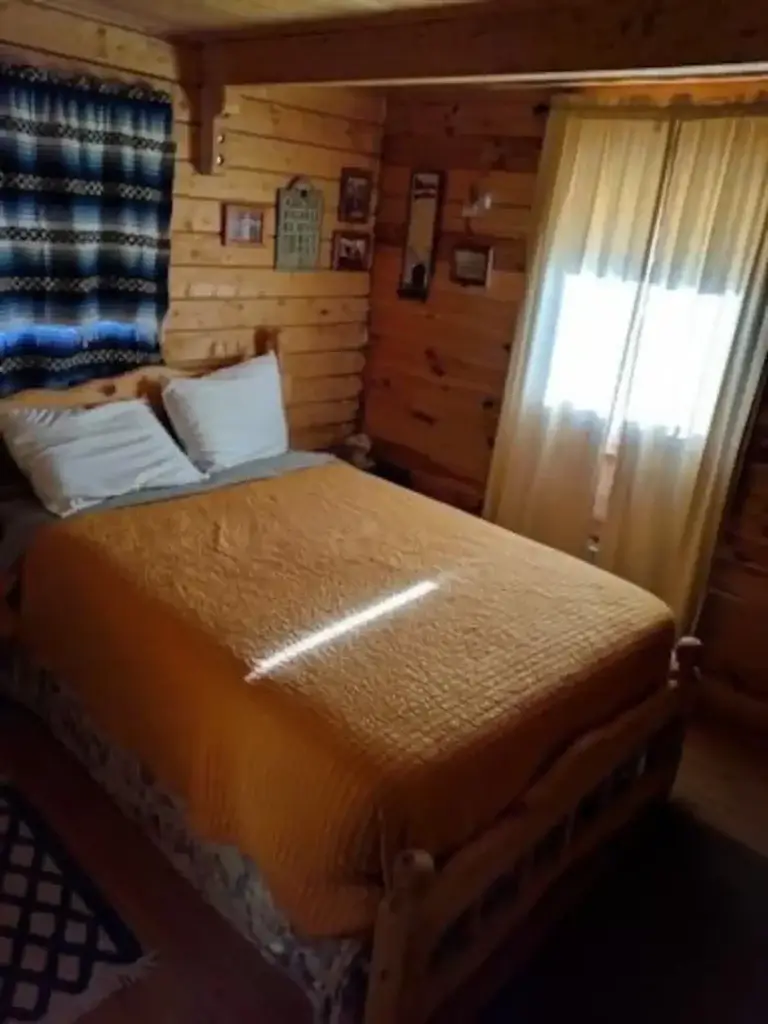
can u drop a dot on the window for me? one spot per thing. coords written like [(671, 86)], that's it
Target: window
[(643, 340), (666, 384)]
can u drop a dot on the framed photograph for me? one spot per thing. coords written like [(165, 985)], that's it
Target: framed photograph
[(243, 224), (355, 195), (351, 250), (471, 264)]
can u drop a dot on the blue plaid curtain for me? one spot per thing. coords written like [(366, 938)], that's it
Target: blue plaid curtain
[(86, 179)]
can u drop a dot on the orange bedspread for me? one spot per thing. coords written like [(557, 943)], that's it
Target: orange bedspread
[(440, 663)]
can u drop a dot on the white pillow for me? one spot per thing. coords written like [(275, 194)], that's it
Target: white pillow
[(231, 416), (75, 458)]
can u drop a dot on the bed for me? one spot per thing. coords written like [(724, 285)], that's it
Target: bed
[(393, 726)]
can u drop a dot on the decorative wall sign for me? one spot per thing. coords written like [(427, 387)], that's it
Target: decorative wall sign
[(471, 264), (299, 221), (355, 195), (425, 206), (351, 250), (243, 224)]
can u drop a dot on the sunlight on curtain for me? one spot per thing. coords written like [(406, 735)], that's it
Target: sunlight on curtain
[(705, 356), (640, 349), (587, 357), (599, 180)]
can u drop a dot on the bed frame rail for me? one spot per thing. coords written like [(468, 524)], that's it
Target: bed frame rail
[(436, 927)]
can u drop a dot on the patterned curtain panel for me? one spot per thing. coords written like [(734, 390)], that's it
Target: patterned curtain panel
[(86, 180)]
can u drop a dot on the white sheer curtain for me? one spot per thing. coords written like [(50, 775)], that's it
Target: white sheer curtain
[(641, 347)]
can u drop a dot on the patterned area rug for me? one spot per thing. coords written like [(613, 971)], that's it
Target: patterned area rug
[(63, 948)]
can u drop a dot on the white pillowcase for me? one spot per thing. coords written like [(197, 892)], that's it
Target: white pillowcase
[(75, 458), (231, 416)]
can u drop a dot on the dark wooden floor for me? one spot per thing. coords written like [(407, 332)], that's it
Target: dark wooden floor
[(206, 974), (676, 930)]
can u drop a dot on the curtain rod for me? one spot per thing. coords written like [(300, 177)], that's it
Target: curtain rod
[(644, 107)]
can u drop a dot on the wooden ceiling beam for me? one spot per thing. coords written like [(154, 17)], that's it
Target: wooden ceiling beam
[(510, 40)]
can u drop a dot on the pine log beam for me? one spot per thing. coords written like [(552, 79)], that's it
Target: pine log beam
[(512, 40), (214, 104)]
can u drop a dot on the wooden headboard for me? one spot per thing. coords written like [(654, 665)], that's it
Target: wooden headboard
[(147, 382)]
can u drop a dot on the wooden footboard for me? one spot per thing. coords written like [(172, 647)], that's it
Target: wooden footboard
[(437, 926)]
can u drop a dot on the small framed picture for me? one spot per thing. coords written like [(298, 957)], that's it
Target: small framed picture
[(471, 264), (243, 224), (355, 195), (351, 250)]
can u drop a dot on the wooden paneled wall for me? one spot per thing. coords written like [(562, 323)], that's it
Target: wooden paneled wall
[(436, 370), (735, 613), (222, 297)]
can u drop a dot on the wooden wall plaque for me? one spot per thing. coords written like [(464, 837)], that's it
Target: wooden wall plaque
[(299, 223)]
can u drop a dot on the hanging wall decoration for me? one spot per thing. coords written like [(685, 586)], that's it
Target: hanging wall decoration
[(420, 250), (351, 250), (355, 195), (243, 224), (299, 221), (86, 182), (471, 264)]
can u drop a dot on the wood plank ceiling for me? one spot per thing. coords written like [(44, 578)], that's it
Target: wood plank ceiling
[(169, 17)]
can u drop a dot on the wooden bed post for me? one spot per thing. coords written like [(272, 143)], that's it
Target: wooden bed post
[(685, 667), (411, 873)]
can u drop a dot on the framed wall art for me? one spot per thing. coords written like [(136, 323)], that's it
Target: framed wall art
[(355, 195), (471, 264), (299, 220), (243, 224), (351, 250)]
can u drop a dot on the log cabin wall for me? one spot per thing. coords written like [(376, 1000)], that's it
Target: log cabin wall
[(735, 611), (436, 371), (221, 296)]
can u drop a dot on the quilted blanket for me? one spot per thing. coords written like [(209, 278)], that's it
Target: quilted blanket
[(323, 667)]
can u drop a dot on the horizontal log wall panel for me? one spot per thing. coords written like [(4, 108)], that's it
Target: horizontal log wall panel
[(193, 249), (229, 345), (226, 299), (253, 152), (471, 113), (322, 414), (456, 452), (394, 331), (734, 614), (273, 120), (231, 282), (50, 32), (194, 314), (436, 372), (326, 436), (325, 389), (350, 104), (323, 364), (468, 152), (507, 187), (415, 357)]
